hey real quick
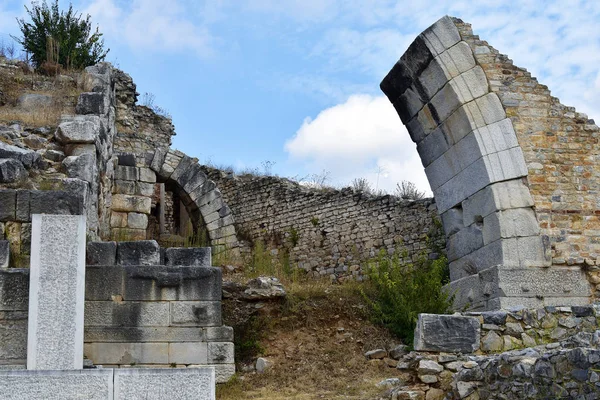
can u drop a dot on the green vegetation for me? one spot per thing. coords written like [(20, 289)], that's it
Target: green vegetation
[(57, 38), (399, 291)]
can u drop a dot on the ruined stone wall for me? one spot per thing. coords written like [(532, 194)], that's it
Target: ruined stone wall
[(327, 232), (560, 147), (510, 167)]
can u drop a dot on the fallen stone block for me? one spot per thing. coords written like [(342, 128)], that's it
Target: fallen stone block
[(12, 170), (188, 256), (447, 333)]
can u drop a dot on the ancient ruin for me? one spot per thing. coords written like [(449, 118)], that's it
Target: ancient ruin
[(511, 169)]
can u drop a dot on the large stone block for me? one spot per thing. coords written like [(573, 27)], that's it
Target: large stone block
[(89, 384), (81, 167), (92, 103), (56, 202), (457, 59), (4, 253), (396, 81), (188, 256), (147, 175), (448, 333), (14, 289), (12, 170), (464, 242), (123, 334), (127, 313), (13, 337), (56, 292), (8, 204), (127, 203), (219, 334), (137, 220), (193, 178), (101, 253), (79, 129), (126, 173), (516, 222), (495, 197), (188, 353), (28, 158), (142, 252), (160, 384), (127, 353), (23, 213), (197, 313), (220, 353), (442, 35), (153, 283)]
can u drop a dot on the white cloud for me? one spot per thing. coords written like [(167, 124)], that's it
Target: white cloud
[(152, 26), (360, 138)]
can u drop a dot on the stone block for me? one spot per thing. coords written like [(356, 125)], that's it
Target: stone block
[(127, 159), (55, 331), (77, 149), (396, 81), (89, 384), (127, 203), (126, 173), (417, 56), (452, 220), (496, 137), (219, 334), (448, 333), (127, 313), (118, 220), (516, 222), (124, 334), (222, 232), (13, 337), (143, 252), (181, 168), (12, 171), (220, 222), (201, 190), (408, 104), (415, 130), (465, 183), (433, 146), (56, 202), (81, 167), (28, 158), (158, 160), (188, 353), (14, 289), (198, 313), (495, 197), (153, 283), (447, 100), (506, 164), (124, 187), (223, 372), (188, 256), (79, 129), (457, 59), (4, 253), (127, 353), (101, 253), (193, 178), (441, 35), (212, 206), (434, 77), (8, 204), (220, 353), (144, 189), (507, 303), (464, 242), (463, 121), (147, 175), (92, 103), (491, 108), (160, 384), (137, 220), (22, 211)]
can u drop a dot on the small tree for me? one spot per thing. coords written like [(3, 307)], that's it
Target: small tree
[(60, 37), (408, 191)]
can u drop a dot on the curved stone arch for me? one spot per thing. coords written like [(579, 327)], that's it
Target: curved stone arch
[(472, 159), (200, 195)]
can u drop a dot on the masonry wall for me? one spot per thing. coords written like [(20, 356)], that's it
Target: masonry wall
[(327, 232)]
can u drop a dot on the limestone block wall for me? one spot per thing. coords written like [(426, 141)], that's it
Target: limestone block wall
[(327, 232), (484, 131), (144, 306)]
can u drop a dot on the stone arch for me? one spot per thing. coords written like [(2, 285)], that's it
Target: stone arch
[(473, 161), (200, 195)]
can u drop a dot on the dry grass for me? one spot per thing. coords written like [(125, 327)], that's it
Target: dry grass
[(15, 82), (316, 340)]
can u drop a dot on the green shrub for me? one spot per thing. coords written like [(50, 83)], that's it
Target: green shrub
[(399, 291)]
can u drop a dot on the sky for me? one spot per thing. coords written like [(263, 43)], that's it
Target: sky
[(291, 87)]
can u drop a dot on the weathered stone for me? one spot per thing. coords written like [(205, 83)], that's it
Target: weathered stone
[(55, 202), (491, 342), (127, 353), (128, 203), (92, 103), (189, 256), (398, 351), (4, 254), (90, 384), (144, 252), (196, 314), (262, 364), (263, 288), (55, 333), (147, 175), (79, 129), (127, 159), (81, 167), (12, 170), (220, 353), (27, 157), (447, 333), (126, 173), (376, 354), (429, 367), (34, 101), (101, 253), (137, 220)]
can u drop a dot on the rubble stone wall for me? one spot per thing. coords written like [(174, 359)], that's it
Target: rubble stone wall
[(327, 232)]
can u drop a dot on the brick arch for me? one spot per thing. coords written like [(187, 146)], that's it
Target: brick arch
[(472, 160), (200, 195)]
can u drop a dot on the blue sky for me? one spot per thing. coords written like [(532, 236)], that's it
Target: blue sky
[(296, 82)]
